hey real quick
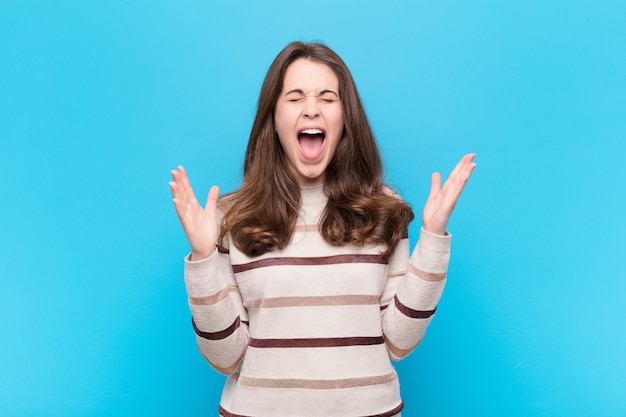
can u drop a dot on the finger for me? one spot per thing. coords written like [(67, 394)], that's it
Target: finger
[(179, 189), (212, 197), (468, 170), (461, 181), (435, 184), (187, 184), (457, 179), (173, 189), (187, 195), (457, 168), (469, 164), (176, 174), (180, 177), (465, 173), (183, 172), (176, 201), (465, 160), (178, 196), (469, 157)]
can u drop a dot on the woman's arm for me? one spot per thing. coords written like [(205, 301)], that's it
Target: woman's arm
[(414, 288), (218, 316)]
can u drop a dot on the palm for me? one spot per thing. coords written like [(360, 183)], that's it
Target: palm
[(199, 224), (441, 200)]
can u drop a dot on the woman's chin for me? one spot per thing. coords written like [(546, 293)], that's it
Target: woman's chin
[(311, 177)]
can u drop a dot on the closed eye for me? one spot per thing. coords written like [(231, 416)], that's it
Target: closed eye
[(328, 96)]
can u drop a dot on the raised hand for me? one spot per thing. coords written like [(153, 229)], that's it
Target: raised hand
[(199, 224), (441, 200)]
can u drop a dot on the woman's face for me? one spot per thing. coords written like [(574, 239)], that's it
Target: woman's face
[(309, 119)]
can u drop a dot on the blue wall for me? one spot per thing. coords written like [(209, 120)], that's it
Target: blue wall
[(98, 100)]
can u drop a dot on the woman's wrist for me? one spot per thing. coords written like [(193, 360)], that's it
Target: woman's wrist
[(199, 256), (435, 231)]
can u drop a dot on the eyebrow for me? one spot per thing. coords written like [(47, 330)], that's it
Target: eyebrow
[(300, 91)]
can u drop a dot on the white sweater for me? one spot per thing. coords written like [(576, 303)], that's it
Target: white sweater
[(309, 331)]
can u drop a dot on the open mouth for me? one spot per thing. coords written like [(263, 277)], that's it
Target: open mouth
[(311, 142)]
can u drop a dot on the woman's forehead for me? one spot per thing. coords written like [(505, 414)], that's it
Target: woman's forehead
[(309, 77)]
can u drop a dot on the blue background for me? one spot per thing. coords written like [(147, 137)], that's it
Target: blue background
[(99, 100)]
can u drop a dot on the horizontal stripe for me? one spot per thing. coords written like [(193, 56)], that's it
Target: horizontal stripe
[(331, 300), (427, 276), (389, 413), (397, 352), (317, 383), (339, 362), (306, 228), (222, 334), (210, 299), (396, 274), (315, 261), (225, 413), (225, 370), (414, 314), (316, 342)]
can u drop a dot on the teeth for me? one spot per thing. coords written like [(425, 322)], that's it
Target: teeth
[(312, 132)]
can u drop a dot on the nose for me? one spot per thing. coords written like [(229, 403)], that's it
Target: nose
[(311, 108)]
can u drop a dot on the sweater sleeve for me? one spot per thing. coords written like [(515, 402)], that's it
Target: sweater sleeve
[(218, 315), (413, 290)]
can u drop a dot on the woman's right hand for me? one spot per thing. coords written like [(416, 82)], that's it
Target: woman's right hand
[(199, 224)]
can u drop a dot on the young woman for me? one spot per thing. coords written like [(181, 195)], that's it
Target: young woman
[(301, 284)]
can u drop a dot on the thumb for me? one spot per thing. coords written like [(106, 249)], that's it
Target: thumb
[(435, 184), (211, 200)]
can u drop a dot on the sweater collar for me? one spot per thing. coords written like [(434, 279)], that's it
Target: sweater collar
[(315, 194)]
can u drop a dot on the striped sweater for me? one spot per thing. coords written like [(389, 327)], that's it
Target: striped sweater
[(310, 330)]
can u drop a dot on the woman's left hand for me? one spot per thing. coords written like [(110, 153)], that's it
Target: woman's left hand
[(441, 200)]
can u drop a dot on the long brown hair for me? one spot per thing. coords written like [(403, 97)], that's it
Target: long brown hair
[(261, 215)]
